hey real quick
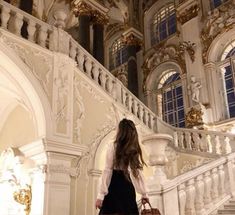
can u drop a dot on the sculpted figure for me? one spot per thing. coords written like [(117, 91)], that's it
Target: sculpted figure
[(194, 89)]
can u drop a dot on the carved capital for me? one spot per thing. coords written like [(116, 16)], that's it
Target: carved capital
[(189, 47), (81, 8), (194, 118), (188, 14), (99, 18)]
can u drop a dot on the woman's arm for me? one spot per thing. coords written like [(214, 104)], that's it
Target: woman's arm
[(139, 183), (107, 173)]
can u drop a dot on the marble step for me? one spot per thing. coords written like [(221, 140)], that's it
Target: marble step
[(226, 211)]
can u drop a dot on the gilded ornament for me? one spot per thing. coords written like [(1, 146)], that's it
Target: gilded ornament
[(99, 18), (188, 14), (131, 39), (81, 8), (24, 197), (218, 21), (189, 47), (194, 118)]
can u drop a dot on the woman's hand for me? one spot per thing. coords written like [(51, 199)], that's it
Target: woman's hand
[(144, 200), (98, 203)]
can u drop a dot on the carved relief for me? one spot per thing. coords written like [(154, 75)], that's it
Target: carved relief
[(79, 110), (39, 64), (218, 21), (163, 54), (189, 47), (193, 118), (61, 85), (188, 14)]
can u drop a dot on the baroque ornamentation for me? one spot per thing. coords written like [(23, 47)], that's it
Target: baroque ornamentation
[(163, 54), (79, 111), (132, 40), (24, 197), (32, 58), (189, 47), (81, 8), (193, 118), (188, 14), (99, 18), (121, 74), (219, 20), (93, 93), (112, 29)]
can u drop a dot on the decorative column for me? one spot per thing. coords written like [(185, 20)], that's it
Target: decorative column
[(133, 40), (155, 146), (83, 10), (99, 20), (51, 184)]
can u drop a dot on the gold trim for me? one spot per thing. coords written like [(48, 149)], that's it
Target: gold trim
[(81, 8), (24, 197), (193, 118), (189, 47), (188, 14), (99, 18), (131, 39)]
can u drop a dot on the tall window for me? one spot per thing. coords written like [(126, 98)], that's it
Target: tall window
[(117, 54), (164, 24), (229, 78), (170, 99), (217, 3)]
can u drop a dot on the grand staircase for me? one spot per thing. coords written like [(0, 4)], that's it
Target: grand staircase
[(199, 191)]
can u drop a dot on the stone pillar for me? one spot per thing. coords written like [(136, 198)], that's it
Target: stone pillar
[(133, 39), (83, 11), (54, 175), (99, 20)]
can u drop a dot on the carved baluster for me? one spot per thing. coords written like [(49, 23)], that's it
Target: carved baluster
[(199, 201), (73, 50), (209, 141), (196, 140), (80, 60), (176, 139), (124, 97), (129, 103), (182, 198), (42, 36), (190, 197), (17, 24), (88, 66), (221, 181), (181, 139), (188, 140), (215, 183), (95, 72), (207, 189), (5, 15), (148, 120), (204, 143), (135, 107), (226, 147), (152, 120), (217, 145), (145, 116), (103, 79), (213, 143), (31, 28), (109, 84), (141, 112), (53, 38)]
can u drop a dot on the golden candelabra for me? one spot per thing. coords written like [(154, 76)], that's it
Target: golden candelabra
[(24, 197)]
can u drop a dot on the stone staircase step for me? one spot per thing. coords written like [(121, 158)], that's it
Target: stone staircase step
[(226, 211), (229, 206)]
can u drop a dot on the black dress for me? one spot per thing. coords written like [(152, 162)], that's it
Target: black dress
[(121, 198)]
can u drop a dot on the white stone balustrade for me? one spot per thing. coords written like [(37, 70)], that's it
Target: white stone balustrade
[(203, 141), (199, 191)]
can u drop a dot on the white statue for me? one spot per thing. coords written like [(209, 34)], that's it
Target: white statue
[(194, 89)]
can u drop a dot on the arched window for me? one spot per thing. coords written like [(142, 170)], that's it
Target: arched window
[(164, 24), (217, 3), (170, 99), (117, 54), (229, 78)]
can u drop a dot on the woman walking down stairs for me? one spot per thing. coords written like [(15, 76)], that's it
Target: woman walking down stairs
[(228, 208)]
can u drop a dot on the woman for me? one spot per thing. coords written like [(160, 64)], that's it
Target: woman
[(122, 174)]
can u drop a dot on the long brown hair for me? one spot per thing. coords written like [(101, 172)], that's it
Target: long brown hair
[(128, 151)]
